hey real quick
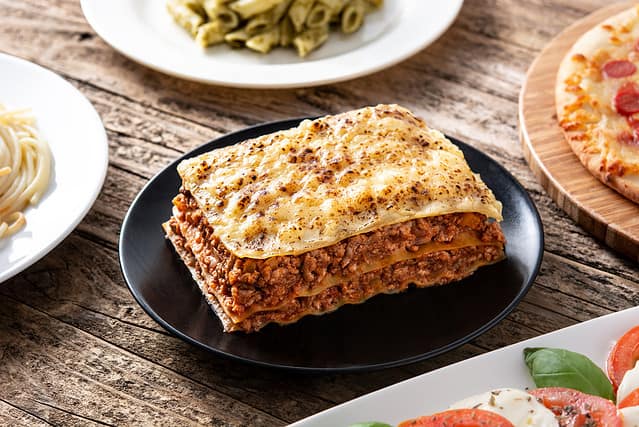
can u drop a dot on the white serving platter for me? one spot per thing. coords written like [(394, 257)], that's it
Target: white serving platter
[(436, 390)]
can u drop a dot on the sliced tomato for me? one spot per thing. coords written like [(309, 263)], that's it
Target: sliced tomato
[(631, 400), (623, 356), (460, 418), (576, 409)]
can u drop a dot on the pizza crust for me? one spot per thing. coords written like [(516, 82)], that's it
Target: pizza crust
[(584, 102), (627, 185)]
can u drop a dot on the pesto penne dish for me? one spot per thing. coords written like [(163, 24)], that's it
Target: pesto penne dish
[(262, 25)]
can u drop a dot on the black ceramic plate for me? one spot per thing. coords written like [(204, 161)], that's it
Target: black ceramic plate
[(385, 331)]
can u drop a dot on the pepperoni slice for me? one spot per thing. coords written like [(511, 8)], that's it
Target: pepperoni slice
[(633, 121), (627, 99), (627, 138), (618, 68)]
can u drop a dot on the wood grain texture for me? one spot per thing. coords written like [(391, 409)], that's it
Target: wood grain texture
[(596, 207), (75, 348)]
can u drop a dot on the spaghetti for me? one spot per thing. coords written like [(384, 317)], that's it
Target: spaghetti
[(25, 168)]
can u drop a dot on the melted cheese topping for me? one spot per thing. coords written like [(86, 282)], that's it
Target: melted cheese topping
[(329, 179), (585, 96)]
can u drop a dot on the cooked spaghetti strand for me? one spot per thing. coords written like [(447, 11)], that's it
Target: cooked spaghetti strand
[(25, 167)]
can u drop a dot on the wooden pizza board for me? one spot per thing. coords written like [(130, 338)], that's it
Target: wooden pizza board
[(600, 210)]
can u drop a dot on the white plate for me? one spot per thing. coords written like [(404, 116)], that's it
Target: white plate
[(144, 31), (435, 391), (78, 142)]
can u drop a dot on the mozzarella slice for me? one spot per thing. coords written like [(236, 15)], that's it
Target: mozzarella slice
[(629, 382), (630, 416), (519, 407)]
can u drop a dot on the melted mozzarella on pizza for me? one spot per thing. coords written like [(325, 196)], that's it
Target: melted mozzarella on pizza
[(598, 96)]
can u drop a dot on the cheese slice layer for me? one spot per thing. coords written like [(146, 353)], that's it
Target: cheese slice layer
[(312, 186)]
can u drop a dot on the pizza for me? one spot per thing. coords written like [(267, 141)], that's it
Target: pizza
[(597, 100)]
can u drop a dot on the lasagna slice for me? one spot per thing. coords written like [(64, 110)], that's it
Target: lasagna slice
[(331, 212)]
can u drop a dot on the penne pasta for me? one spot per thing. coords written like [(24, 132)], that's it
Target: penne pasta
[(262, 25), (185, 16), (216, 11), (266, 41), (298, 12), (249, 8), (216, 2), (209, 34), (375, 3), (279, 11), (335, 6), (194, 5), (319, 16), (266, 20), (353, 16), (286, 32), (258, 24), (310, 40), (237, 38)]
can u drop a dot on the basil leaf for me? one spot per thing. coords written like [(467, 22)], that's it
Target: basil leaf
[(555, 367), (370, 424)]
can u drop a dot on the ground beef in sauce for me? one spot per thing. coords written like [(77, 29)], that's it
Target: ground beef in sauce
[(240, 283)]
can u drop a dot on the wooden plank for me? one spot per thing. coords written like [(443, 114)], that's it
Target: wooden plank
[(108, 312), (89, 378), (127, 118), (81, 350), (206, 104), (59, 416), (518, 23), (99, 312), (79, 274), (13, 416)]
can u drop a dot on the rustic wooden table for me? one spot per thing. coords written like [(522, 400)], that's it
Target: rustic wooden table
[(75, 348)]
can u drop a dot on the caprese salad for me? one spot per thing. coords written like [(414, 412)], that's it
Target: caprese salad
[(572, 391)]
